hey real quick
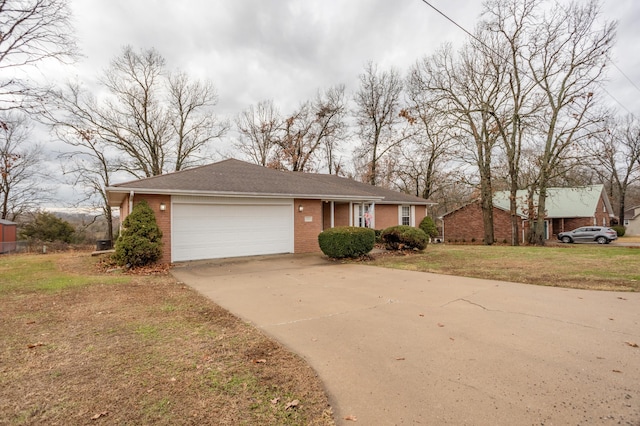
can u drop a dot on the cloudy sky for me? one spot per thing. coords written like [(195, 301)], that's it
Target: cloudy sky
[(286, 50)]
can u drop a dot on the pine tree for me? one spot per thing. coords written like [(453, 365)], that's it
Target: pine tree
[(139, 242)]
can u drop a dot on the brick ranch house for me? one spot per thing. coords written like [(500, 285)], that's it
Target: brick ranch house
[(233, 208), (567, 209)]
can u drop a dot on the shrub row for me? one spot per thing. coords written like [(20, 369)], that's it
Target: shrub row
[(350, 241)]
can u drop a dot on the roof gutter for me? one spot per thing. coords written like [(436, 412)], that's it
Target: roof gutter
[(123, 190)]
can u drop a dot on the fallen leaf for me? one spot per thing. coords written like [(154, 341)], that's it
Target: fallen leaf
[(420, 315), (440, 325), (632, 344), (621, 298), (292, 404), (31, 322), (351, 418), (275, 400), (35, 345), (260, 361), (610, 319), (452, 339), (400, 359), (97, 416), (173, 379), (616, 371)]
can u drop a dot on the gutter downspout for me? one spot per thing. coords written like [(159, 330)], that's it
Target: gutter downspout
[(130, 202)]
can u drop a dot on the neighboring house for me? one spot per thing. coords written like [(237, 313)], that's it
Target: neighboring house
[(8, 236), (233, 208), (632, 221), (566, 209)]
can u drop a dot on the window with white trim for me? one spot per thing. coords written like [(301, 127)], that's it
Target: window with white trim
[(365, 216), (406, 215)]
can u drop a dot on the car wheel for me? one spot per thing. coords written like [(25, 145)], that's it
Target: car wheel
[(602, 240), (566, 240)]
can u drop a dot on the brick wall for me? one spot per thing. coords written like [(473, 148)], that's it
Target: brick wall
[(421, 212), (341, 214), (386, 215), (602, 214), (306, 232), (466, 224)]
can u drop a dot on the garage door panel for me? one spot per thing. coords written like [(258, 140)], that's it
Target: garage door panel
[(209, 231)]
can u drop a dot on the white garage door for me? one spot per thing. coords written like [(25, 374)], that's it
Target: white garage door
[(211, 228)]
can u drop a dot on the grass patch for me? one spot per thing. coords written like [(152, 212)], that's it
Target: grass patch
[(147, 350), (586, 266), (37, 273)]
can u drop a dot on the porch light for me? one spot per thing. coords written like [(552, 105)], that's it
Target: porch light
[(163, 207), (300, 208)]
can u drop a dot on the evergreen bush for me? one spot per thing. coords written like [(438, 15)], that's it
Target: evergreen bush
[(429, 227), (139, 243), (48, 228), (620, 230), (346, 241), (403, 237)]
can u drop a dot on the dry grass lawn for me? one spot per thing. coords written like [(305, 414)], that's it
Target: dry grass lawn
[(84, 347), (585, 266)]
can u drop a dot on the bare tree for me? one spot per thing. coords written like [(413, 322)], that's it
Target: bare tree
[(193, 122), (156, 123), (568, 53), (507, 25), (377, 116), (468, 89), (134, 118), (258, 127), (432, 142), (21, 188), (32, 31), (313, 125), (75, 120), (330, 109), (617, 152), (91, 162)]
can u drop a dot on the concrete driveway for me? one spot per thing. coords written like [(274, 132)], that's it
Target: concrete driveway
[(402, 347)]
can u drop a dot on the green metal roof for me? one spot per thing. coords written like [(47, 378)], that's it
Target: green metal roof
[(561, 202)]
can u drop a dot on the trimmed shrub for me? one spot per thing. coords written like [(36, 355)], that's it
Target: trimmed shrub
[(346, 241), (429, 227), (620, 230), (404, 237), (139, 242)]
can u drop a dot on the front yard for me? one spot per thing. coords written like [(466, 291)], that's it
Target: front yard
[(585, 266), (83, 347)]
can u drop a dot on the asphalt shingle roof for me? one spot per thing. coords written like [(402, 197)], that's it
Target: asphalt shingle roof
[(241, 178)]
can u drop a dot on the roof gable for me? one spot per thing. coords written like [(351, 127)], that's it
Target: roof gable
[(235, 177)]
